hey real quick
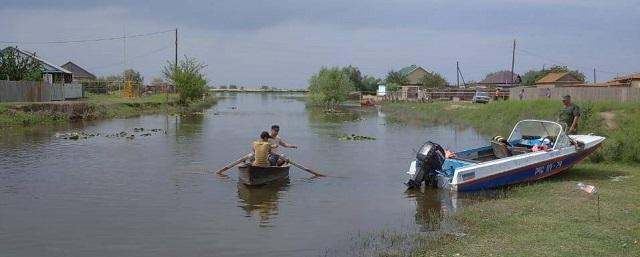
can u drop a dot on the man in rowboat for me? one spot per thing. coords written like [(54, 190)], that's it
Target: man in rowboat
[(275, 141), (261, 150)]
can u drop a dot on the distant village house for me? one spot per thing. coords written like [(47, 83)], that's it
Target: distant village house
[(501, 79), (79, 73), (631, 80), (558, 79), (414, 74), (50, 72)]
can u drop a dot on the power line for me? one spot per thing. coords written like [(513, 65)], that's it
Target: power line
[(561, 63), (133, 57), (88, 40)]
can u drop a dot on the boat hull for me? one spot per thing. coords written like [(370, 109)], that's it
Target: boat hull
[(527, 173), (255, 176)]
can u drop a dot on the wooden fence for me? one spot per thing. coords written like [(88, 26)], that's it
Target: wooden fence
[(37, 91), (618, 94), (422, 95)]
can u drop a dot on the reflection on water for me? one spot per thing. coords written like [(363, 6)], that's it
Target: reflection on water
[(432, 205), (261, 201), (189, 124)]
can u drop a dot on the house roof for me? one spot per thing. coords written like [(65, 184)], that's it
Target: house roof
[(627, 77), (78, 71), (555, 77), (502, 77), (47, 67), (409, 69)]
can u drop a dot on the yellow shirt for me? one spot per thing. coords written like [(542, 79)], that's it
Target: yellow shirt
[(261, 151)]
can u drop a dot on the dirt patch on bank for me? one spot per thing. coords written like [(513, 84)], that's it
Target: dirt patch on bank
[(608, 120)]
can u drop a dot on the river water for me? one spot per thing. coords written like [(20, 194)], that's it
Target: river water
[(152, 195)]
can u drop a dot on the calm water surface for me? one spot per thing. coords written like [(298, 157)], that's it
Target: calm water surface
[(152, 196)]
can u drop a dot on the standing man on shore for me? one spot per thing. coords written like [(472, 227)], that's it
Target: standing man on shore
[(276, 141), (569, 114)]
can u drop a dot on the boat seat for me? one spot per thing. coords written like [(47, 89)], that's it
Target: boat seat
[(500, 150)]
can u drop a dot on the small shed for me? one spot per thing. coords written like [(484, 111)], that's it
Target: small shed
[(558, 79), (382, 90)]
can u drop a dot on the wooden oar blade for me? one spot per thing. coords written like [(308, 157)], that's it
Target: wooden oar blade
[(304, 168), (230, 165)]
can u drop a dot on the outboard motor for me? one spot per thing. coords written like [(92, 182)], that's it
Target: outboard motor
[(429, 161)]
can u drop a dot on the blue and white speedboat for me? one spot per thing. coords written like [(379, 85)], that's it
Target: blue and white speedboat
[(535, 149)]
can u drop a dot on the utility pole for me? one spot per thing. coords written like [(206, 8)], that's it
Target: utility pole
[(457, 75), (124, 50), (176, 56), (175, 67), (594, 76), (513, 60)]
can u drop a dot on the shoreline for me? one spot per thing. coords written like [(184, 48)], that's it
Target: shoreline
[(94, 107), (549, 217)]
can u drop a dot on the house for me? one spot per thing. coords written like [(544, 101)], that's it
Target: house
[(50, 72), (414, 74), (631, 80), (558, 79), (79, 74), (501, 79)]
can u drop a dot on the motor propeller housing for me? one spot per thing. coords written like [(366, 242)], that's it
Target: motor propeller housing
[(429, 160)]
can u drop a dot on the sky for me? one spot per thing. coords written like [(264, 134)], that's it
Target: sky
[(282, 43)]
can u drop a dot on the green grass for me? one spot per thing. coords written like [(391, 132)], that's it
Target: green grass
[(549, 217), (498, 118), (11, 117), (103, 106), (553, 218)]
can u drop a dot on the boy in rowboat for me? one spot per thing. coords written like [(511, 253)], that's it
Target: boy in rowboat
[(275, 141), (261, 150)]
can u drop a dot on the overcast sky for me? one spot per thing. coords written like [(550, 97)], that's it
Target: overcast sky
[(282, 43)]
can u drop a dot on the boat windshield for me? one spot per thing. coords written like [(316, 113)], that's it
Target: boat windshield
[(532, 132)]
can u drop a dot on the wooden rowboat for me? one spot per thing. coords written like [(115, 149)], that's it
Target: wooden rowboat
[(254, 175)]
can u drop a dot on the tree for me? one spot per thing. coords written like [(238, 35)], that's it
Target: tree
[(188, 78), (264, 87), (355, 76), (223, 87), (132, 75), (530, 77), (233, 86), (396, 77), (434, 80), (370, 84), (14, 66), (329, 87)]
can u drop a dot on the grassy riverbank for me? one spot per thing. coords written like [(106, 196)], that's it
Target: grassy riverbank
[(94, 107), (549, 217), (619, 122), (553, 218)]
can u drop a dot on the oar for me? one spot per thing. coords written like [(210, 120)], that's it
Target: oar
[(230, 165), (302, 167)]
